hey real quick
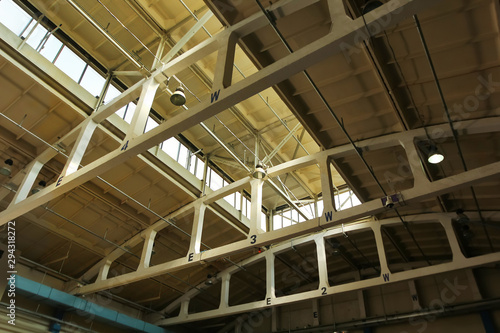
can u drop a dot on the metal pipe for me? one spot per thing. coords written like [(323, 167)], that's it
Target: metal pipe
[(103, 32), (393, 319), (108, 294), (393, 241), (145, 207), (224, 146), (272, 23), (339, 122), (259, 94), (50, 318), (128, 30), (89, 231), (450, 122)]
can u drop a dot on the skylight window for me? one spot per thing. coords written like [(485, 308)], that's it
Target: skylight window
[(70, 63), (34, 37), (51, 48), (92, 81), (13, 17)]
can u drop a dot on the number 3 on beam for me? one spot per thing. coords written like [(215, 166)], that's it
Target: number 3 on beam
[(253, 239)]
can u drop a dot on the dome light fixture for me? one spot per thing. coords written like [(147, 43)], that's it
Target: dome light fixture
[(210, 280), (39, 187), (461, 217), (467, 234), (259, 172), (335, 246), (389, 203), (6, 169), (178, 98), (434, 156)]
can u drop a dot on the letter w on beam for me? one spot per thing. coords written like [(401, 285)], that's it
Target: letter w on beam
[(263, 79)]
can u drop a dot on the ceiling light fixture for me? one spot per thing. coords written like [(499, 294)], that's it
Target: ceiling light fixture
[(259, 172), (467, 234), (371, 5), (462, 218), (6, 169), (336, 247), (434, 156), (178, 98), (210, 280), (389, 202), (39, 187)]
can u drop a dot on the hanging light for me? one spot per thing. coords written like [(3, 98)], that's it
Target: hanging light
[(434, 156), (6, 169), (462, 218), (210, 280), (178, 98), (39, 187), (467, 234), (336, 247), (259, 172), (371, 5), (389, 202)]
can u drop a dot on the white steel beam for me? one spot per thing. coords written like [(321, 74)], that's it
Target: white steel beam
[(281, 144), (183, 121), (30, 174), (256, 207), (329, 219), (79, 148), (141, 112), (385, 276), (180, 44), (337, 13), (225, 62), (196, 233), (147, 249)]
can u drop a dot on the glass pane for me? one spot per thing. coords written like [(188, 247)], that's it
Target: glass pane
[(320, 207), (70, 63), (277, 223), (249, 205), (215, 181), (13, 17), (230, 199), (92, 82), (183, 156), (245, 207), (171, 147), (192, 164), (120, 113), (111, 93), (37, 35), (130, 112), (50, 48), (199, 169), (150, 124), (237, 203), (286, 221), (355, 200)]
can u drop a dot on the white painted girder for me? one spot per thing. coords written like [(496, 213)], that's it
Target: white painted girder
[(324, 289), (334, 42), (330, 218)]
